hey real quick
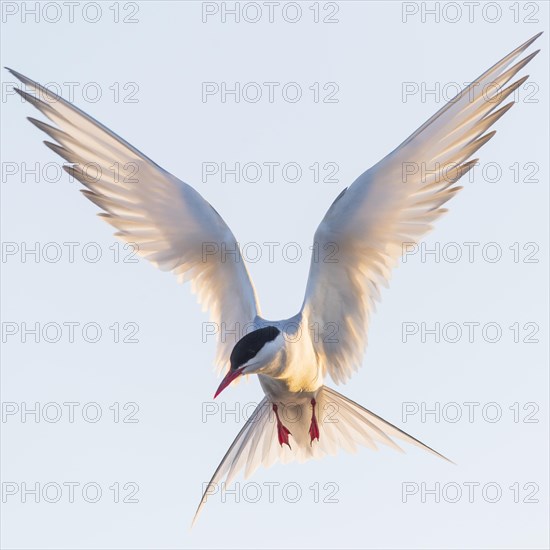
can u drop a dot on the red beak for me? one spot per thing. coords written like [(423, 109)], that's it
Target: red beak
[(229, 377)]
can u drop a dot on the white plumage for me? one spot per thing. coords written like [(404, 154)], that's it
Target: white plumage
[(393, 203)]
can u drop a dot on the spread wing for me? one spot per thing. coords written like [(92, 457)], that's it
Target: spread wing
[(393, 203), (169, 221)]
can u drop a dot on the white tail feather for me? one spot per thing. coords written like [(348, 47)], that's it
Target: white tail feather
[(342, 424)]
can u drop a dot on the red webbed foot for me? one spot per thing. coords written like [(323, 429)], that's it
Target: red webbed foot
[(282, 431), (313, 427)]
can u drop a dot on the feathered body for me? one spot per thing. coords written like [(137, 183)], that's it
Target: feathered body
[(392, 204)]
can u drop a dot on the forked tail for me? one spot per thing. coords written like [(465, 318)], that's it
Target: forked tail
[(342, 424)]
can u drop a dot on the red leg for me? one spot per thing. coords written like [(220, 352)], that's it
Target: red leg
[(282, 431), (313, 427)]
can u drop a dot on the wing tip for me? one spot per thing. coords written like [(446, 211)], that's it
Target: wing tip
[(528, 42), (17, 75), (531, 55), (532, 39)]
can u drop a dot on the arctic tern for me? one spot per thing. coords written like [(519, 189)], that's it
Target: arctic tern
[(392, 203)]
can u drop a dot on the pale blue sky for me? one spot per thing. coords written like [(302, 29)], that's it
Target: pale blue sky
[(162, 60)]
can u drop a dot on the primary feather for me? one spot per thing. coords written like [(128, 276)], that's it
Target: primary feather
[(172, 225), (393, 203)]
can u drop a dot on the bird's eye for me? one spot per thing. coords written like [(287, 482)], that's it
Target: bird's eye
[(249, 345)]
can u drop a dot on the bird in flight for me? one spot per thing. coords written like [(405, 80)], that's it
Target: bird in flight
[(392, 203)]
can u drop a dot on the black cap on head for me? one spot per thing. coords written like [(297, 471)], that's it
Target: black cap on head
[(248, 346)]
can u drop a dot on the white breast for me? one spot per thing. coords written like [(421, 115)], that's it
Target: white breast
[(294, 369)]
